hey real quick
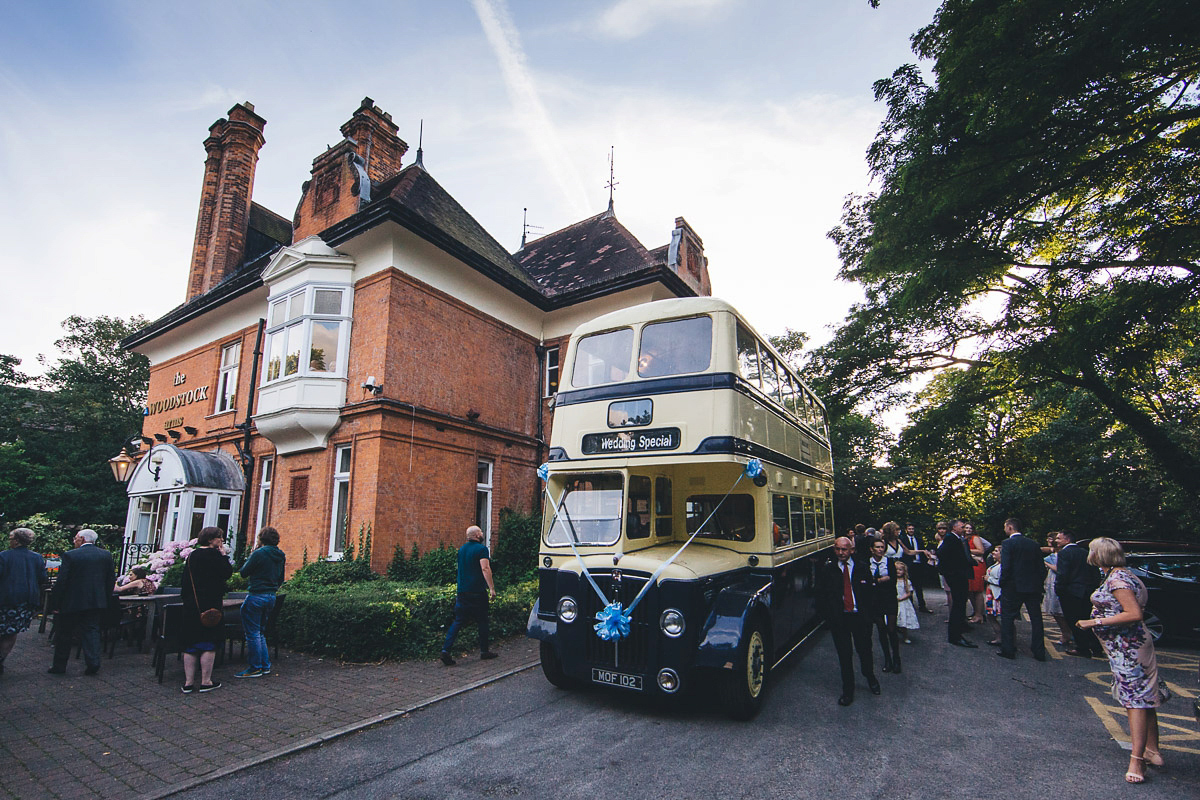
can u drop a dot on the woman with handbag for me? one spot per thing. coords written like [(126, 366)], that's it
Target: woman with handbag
[(204, 576)]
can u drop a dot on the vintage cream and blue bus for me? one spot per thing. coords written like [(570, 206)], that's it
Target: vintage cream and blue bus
[(689, 483)]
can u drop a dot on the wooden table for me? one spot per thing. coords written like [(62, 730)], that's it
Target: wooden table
[(154, 604)]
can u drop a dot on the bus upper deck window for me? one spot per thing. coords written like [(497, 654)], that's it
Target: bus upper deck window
[(747, 347), (603, 358), (675, 347)]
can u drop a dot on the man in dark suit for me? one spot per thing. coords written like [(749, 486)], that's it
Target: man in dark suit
[(918, 565), (883, 570), (1074, 583), (1022, 583), (844, 599), (80, 595), (956, 565)]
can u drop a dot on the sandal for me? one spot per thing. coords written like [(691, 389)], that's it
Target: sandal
[(1153, 757), (1133, 777)]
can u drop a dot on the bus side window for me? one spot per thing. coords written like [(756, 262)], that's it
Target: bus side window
[(747, 355), (781, 520), (637, 515), (797, 508), (770, 380), (733, 520), (662, 507), (810, 519)]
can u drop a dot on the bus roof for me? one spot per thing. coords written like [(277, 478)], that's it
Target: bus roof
[(656, 310)]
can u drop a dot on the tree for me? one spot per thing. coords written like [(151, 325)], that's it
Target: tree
[(1036, 215), (55, 440)]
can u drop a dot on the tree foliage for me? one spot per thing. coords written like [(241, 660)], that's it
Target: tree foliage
[(58, 431), (1036, 220)]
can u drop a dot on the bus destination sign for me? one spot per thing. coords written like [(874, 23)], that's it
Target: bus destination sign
[(631, 441)]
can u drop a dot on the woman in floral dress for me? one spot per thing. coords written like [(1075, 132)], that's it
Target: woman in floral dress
[(1117, 622)]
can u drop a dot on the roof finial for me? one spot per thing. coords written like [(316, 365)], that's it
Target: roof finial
[(612, 182), (420, 162)]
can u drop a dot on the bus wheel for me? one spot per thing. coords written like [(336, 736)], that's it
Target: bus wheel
[(745, 685), (552, 667)]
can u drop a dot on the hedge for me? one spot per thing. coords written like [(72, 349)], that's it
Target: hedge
[(388, 620)]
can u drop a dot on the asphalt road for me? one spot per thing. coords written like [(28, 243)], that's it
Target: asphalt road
[(955, 724)]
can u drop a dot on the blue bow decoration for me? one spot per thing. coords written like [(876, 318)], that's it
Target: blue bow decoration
[(613, 623), (754, 468), (543, 472)]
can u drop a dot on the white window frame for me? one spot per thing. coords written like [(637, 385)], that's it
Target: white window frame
[(265, 479), (483, 491), (295, 332), (557, 370), (340, 505), (227, 378)]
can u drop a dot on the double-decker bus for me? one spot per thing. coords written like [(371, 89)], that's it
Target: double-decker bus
[(689, 482)]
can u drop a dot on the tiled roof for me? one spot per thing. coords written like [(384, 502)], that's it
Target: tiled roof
[(595, 250), (591, 257), (416, 191)]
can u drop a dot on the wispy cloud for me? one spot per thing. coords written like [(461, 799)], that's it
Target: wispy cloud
[(629, 19), (505, 41)]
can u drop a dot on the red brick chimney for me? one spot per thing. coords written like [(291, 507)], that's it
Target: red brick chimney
[(686, 257), (343, 174), (232, 147)]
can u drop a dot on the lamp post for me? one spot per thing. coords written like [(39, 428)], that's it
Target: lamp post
[(121, 465)]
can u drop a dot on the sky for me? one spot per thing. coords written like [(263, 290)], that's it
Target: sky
[(749, 118)]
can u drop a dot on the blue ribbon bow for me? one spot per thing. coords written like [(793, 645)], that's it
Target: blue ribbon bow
[(613, 623)]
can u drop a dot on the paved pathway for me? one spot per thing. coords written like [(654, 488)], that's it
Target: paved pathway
[(121, 734)]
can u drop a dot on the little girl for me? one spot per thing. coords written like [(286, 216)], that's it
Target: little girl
[(906, 612)]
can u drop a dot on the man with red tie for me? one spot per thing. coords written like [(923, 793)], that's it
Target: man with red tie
[(845, 591)]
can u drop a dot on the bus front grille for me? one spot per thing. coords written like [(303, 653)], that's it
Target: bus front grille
[(633, 651)]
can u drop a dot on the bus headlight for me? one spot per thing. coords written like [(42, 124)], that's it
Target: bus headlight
[(668, 681), (567, 609), (671, 623)]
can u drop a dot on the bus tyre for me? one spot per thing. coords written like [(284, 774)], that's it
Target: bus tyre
[(552, 667), (745, 685)]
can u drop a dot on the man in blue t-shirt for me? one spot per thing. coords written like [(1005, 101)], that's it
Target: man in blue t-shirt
[(474, 587)]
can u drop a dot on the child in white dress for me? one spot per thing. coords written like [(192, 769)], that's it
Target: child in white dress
[(906, 612)]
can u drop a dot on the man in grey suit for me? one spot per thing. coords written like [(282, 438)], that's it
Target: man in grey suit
[(1022, 582), (80, 595)]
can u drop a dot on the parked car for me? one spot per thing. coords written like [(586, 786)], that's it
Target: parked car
[(1171, 572)]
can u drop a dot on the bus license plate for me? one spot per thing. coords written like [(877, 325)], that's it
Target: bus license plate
[(610, 678)]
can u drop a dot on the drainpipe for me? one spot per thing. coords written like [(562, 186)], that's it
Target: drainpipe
[(244, 448)]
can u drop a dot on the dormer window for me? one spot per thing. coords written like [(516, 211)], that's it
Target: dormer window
[(306, 333)]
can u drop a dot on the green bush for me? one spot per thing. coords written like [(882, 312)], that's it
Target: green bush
[(174, 575), (383, 619), (438, 567), (404, 568), (514, 558), (322, 575)]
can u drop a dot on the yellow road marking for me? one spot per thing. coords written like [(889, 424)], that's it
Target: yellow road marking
[(1170, 733)]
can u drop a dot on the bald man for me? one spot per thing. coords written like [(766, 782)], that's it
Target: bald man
[(475, 586), (845, 592)]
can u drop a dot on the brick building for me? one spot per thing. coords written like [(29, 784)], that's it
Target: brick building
[(379, 360)]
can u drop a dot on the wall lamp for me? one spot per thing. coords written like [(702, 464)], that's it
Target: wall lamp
[(191, 431), (156, 460), (121, 464), (174, 434), (371, 386)]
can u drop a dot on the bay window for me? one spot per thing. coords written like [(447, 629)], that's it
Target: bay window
[(307, 333)]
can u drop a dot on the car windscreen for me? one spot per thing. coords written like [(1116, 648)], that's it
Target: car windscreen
[(589, 511)]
